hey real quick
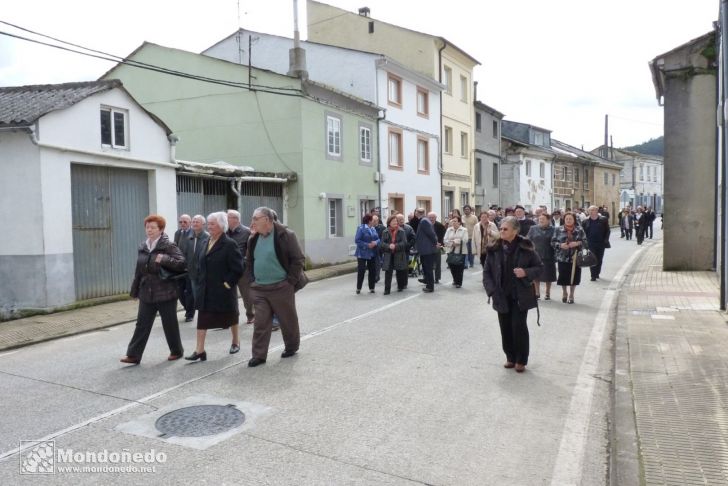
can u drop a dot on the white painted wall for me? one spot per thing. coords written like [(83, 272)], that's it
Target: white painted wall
[(533, 189), (348, 70)]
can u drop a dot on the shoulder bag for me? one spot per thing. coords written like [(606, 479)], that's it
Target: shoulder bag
[(585, 258), (456, 259)]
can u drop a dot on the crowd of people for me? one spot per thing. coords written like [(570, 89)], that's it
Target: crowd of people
[(213, 260)]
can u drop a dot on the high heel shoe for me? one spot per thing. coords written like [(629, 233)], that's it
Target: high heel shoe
[(563, 299), (130, 360), (571, 300), (195, 356)]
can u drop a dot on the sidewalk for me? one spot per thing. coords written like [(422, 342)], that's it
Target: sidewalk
[(36, 329), (671, 378)]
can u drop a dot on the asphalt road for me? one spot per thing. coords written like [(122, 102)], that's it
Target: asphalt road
[(401, 389)]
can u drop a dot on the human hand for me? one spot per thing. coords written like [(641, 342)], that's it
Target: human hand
[(392, 246), (565, 246), (519, 272), (159, 258)]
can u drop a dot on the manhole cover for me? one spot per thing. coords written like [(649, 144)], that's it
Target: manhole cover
[(199, 421)]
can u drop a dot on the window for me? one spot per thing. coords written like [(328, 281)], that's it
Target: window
[(395, 148), (423, 102), (448, 80), (576, 175), (334, 218), (333, 136), (495, 128), (463, 144), (528, 167), (424, 202), (366, 205), (586, 179), (394, 90), (478, 172), (606, 178), (614, 179), (365, 144), (448, 140), (463, 89), (538, 138), (449, 202), (542, 170), (564, 173), (495, 174), (464, 198), (114, 127), (477, 122), (423, 155), (642, 172)]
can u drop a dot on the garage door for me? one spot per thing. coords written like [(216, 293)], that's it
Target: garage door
[(109, 207)]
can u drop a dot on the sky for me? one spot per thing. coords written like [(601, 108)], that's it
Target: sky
[(559, 64)]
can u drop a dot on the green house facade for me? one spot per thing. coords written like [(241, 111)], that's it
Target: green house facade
[(323, 140)]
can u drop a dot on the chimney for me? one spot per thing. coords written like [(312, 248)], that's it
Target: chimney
[(364, 11), (297, 55), (475, 91)]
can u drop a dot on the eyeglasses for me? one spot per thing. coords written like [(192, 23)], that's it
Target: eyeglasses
[(256, 218), (504, 229)]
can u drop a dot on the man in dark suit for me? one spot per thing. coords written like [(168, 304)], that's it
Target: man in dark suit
[(650, 219), (597, 232), (525, 222), (241, 233), (180, 239), (195, 246), (440, 231), (426, 245)]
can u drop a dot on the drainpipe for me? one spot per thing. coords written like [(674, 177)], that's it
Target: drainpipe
[(724, 179), (173, 139), (440, 162)]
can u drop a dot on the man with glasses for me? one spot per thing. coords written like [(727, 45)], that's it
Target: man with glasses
[(274, 264)]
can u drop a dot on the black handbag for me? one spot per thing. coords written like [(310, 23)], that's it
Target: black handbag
[(166, 274), (585, 258), (456, 259)]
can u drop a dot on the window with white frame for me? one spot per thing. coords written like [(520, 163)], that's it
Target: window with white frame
[(542, 170), (334, 218), (495, 128), (495, 174), (463, 89), (114, 127), (423, 102), (447, 81), (478, 171), (564, 173), (423, 155), (333, 136), (528, 167), (464, 198), (606, 179), (463, 144), (642, 172), (394, 90), (365, 144), (478, 122), (538, 138), (576, 174), (586, 178), (448, 140), (395, 148)]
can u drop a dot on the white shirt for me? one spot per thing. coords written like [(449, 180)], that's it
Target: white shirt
[(151, 245)]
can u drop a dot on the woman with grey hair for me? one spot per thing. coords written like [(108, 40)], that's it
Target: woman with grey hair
[(219, 269)]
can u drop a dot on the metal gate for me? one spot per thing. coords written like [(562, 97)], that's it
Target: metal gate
[(197, 195), (256, 194), (108, 210)]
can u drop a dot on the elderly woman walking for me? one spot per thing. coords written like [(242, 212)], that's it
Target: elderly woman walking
[(393, 246), (219, 269), (566, 242), (455, 243), (155, 294), (510, 269), (367, 242), (541, 235)]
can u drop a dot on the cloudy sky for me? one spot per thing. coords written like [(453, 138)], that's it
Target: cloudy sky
[(558, 64)]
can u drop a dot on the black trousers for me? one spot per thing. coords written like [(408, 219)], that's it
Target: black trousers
[(457, 273), (437, 262), (184, 290), (648, 230), (640, 230), (145, 318), (362, 267), (401, 279), (599, 253), (428, 264), (482, 260), (514, 333), (627, 233)]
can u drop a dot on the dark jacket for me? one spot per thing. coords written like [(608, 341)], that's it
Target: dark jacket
[(288, 252), (396, 260), (426, 239), (192, 251), (148, 285), (223, 264), (241, 235), (541, 238), (626, 221), (525, 226), (597, 232), (440, 231), (526, 258), (410, 236)]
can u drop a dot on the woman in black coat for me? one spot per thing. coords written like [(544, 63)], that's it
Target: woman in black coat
[(393, 247), (541, 234), (511, 265), (219, 269), (155, 294)]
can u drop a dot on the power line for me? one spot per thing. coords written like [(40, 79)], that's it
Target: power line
[(142, 65)]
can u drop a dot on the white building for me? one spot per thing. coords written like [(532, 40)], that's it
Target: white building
[(642, 180), (526, 166), (82, 165), (409, 165)]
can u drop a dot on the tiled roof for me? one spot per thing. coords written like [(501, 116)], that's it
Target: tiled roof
[(23, 105)]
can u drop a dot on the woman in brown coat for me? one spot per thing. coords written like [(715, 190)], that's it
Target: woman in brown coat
[(155, 294)]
